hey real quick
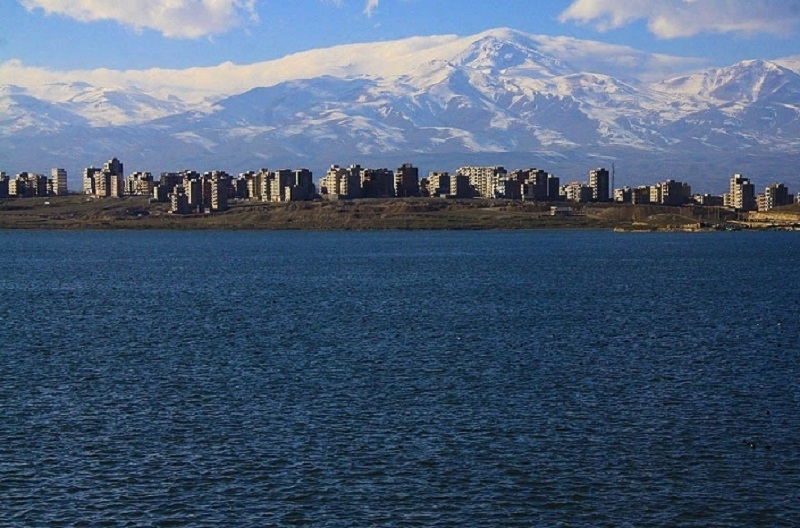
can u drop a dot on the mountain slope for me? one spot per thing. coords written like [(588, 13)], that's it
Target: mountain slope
[(752, 103), (501, 94)]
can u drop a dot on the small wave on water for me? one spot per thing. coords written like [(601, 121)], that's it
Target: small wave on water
[(399, 379)]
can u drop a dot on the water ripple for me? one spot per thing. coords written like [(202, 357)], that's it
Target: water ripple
[(399, 379)]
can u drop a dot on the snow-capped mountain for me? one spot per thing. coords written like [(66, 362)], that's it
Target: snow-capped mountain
[(500, 95), (21, 113), (100, 106), (750, 104), (746, 82)]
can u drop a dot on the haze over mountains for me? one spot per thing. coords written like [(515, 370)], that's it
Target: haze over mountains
[(499, 97)]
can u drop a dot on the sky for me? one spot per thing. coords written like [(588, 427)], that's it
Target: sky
[(63, 35)]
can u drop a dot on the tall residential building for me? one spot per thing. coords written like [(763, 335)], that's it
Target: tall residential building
[(179, 203), (776, 195), (342, 183), (59, 177), (255, 183), (302, 186), (406, 181), (288, 185), (193, 189), (247, 181), (510, 189), (28, 185), (114, 174), (623, 195), (3, 185), (578, 192), (673, 192), (439, 183), (641, 195), (139, 184), (742, 194), (279, 182), (334, 183), (553, 188), (90, 180), (16, 186), (656, 194), (483, 180), (169, 180), (599, 182), (38, 184), (534, 183), (239, 187), (460, 186), (377, 183), (219, 191), (102, 184), (114, 166)]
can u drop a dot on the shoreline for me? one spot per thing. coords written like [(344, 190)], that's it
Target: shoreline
[(77, 212)]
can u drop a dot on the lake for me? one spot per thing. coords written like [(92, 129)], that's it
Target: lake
[(543, 378)]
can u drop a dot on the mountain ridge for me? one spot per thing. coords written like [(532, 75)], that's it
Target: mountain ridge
[(497, 92)]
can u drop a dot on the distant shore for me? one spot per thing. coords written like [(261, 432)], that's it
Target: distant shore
[(81, 212)]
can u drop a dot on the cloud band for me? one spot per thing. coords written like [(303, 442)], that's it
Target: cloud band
[(183, 19), (685, 18)]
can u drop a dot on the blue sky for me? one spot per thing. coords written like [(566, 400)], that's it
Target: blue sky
[(61, 35)]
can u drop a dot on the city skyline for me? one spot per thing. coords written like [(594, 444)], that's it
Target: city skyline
[(356, 182)]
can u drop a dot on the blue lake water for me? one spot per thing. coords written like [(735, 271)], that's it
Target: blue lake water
[(573, 378)]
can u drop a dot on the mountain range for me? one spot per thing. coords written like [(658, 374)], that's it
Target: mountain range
[(499, 97)]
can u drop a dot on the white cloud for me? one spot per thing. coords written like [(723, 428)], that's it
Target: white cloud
[(173, 18), (615, 59), (684, 18), (193, 84), (370, 8), (384, 59)]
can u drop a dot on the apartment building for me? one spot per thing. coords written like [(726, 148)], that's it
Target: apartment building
[(219, 183), (406, 181), (741, 195), (599, 182), (439, 183), (483, 180), (59, 179), (533, 184), (775, 195), (577, 192), (139, 184), (377, 183), (179, 202), (342, 182)]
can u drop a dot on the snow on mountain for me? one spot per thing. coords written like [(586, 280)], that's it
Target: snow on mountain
[(790, 63), (496, 94), (507, 52), (501, 91), (379, 59), (110, 106), (749, 104), (117, 107), (742, 83), (21, 113)]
